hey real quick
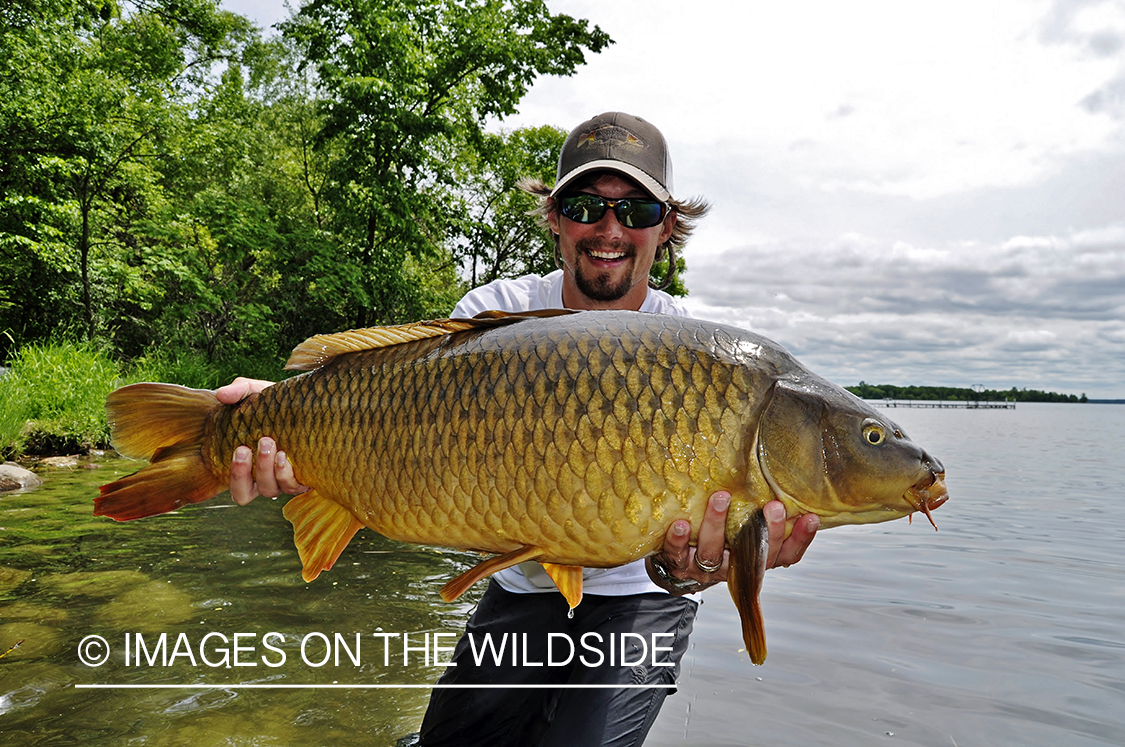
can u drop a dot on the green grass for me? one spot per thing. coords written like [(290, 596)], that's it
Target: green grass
[(52, 400)]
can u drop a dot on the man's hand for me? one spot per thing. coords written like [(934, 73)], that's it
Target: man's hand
[(267, 473), (682, 569)]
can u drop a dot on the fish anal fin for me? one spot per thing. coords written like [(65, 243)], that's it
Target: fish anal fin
[(747, 570), (568, 578), (322, 528), (459, 585)]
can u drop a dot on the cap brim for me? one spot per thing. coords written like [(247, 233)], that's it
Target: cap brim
[(647, 182)]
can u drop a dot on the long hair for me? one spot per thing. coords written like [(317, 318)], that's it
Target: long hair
[(688, 214)]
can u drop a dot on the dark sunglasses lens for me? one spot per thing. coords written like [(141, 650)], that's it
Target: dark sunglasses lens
[(639, 213), (582, 208), (631, 213)]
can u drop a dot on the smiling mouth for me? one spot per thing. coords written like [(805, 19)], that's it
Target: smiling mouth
[(606, 255)]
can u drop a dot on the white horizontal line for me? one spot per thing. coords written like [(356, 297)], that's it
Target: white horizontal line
[(253, 686)]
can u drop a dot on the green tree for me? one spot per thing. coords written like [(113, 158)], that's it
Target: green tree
[(405, 83), (89, 92), (498, 237)]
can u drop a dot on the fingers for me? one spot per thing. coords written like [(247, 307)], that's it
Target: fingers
[(240, 389), (283, 474), (785, 551), (264, 467), (268, 473), (709, 551), (676, 545), (242, 489), (675, 569)]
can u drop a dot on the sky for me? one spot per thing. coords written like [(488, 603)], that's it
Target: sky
[(905, 193)]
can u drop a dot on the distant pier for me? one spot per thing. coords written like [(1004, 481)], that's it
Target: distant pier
[(945, 405)]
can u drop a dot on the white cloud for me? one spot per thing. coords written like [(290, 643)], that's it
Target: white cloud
[(903, 192)]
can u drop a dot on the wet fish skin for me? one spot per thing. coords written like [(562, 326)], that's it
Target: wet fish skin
[(573, 440)]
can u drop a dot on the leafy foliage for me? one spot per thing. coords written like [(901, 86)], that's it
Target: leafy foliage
[(958, 394), (178, 191)]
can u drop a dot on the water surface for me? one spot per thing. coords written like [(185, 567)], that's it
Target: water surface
[(1005, 627)]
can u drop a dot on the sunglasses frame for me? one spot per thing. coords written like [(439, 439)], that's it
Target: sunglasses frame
[(604, 204)]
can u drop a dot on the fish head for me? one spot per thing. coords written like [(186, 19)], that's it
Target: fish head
[(825, 451)]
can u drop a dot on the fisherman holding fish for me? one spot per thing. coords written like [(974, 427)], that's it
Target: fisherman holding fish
[(611, 215)]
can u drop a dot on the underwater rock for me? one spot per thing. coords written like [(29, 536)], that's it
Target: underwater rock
[(148, 607)]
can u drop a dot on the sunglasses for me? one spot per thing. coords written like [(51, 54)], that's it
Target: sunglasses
[(631, 212)]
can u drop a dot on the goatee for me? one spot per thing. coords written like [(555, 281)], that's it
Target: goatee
[(600, 286)]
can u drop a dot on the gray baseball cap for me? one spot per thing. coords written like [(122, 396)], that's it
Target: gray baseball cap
[(616, 141)]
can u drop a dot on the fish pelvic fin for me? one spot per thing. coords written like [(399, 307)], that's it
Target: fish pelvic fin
[(748, 557), (165, 424), (320, 349), (568, 579), (322, 528), (459, 585)]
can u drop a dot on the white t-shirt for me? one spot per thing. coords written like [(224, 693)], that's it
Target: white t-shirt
[(532, 293)]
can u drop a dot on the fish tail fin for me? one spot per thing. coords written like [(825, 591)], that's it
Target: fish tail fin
[(165, 424), (322, 528), (744, 579)]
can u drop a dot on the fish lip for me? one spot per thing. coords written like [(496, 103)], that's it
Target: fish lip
[(928, 494)]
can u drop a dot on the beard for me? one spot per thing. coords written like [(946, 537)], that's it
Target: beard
[(601, 286)]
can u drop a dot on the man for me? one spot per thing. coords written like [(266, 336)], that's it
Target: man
[(611, 215)]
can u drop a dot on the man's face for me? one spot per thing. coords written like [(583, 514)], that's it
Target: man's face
[(606, 265)]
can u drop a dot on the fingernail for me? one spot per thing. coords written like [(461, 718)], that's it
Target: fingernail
[(720, 501), (281, 459), (813, 523), (242, 455), (265, 446), (775, 512), (680, 528)]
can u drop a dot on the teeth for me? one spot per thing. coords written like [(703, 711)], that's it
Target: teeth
[(606, 255)]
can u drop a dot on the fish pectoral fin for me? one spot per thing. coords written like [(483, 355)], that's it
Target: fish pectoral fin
[(569, 580), (747, 570), (459, 585), (322, 528)]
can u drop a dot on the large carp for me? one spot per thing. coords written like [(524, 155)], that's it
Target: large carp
[(572, 439)]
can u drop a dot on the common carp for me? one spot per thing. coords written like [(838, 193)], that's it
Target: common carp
[(570, 438)]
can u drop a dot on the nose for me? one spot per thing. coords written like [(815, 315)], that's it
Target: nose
[(933, 464), (609, 225)]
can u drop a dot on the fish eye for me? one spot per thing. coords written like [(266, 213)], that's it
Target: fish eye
[(873, 433)]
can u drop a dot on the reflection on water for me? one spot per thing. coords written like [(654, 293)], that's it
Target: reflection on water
[(1002, 628)]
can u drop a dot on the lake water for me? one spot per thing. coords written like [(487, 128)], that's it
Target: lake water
[(1006, 627)]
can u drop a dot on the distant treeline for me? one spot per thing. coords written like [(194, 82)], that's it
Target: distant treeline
[(958, 394)]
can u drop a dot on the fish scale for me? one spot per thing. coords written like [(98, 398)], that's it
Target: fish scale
[(573, 439)]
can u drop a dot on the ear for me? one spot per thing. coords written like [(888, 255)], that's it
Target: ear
[(552, 217), (668, 226)]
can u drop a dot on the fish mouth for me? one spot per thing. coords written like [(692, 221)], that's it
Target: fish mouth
[(927, 494)]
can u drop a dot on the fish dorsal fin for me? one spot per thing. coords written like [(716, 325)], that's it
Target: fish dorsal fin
[(319, 349)]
